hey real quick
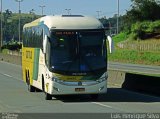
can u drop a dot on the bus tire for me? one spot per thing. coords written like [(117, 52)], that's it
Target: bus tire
[(94, 96), (48, 96), (43, 88), (30, 87)]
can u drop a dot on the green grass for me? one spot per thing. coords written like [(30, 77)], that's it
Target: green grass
[(135, 57), (120, 37)]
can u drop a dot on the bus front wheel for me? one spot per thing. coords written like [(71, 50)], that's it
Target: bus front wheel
[(94, 96), (48, 96)]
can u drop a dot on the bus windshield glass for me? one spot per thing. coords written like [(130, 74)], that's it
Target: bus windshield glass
[(78, 52)]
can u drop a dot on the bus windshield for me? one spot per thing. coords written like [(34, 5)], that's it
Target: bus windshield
[(78, 52)]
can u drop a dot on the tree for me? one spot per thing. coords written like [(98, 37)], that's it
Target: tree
[(7, 14), (144, 10), (10, 24), (141, 10), (7, 30)]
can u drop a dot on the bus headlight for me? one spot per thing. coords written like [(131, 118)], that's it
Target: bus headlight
[(101, 80), (55, 79)]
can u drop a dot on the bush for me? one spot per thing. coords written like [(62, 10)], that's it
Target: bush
[(135, 57), (138, 29), (12, 46), (146, 29), (120, 37)]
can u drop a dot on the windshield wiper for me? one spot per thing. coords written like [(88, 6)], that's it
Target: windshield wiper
[(64, 62)]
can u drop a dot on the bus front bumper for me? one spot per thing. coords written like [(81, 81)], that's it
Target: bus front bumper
[(61, 89)]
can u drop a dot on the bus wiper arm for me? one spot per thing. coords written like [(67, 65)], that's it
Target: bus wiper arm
[(64, 62)]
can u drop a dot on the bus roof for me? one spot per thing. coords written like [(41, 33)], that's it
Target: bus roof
[(67, 22)]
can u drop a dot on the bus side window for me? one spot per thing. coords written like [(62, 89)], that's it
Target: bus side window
[(24, 37)]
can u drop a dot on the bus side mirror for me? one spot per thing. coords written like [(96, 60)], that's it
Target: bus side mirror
[(45, 44), (111, 44)]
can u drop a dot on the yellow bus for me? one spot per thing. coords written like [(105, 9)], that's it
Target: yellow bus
[(65, 54)]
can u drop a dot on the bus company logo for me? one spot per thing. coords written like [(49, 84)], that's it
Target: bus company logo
[(28, 54)]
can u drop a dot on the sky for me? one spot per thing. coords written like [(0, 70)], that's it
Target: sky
[(57, 7)]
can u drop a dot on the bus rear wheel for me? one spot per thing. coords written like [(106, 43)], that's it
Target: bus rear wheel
[(30, 87)]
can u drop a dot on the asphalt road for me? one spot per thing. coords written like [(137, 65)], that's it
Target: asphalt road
[(15, 98), (135, 68)]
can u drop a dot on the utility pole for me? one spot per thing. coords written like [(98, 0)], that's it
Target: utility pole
[(1, 41), (42, 7), (68, 11), (98, 12), (110, 28), (117, 16), (19, 1)]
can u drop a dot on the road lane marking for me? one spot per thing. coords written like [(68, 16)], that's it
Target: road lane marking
[(97, 103), (7, 75)]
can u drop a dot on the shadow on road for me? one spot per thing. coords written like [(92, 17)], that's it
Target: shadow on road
[(135, 88), (141, 83), (113, 95)]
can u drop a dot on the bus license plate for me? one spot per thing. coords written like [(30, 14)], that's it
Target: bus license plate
[(79, 89)]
